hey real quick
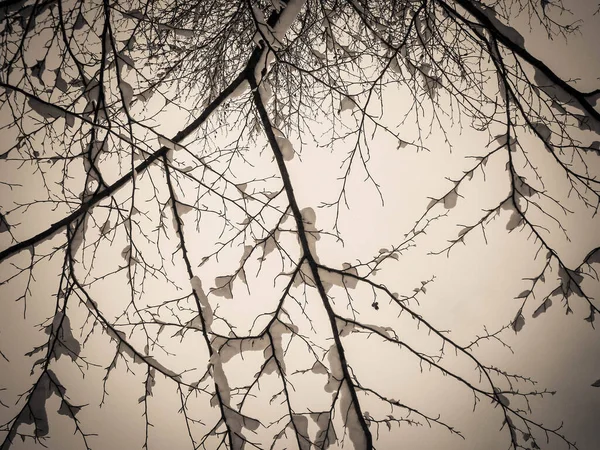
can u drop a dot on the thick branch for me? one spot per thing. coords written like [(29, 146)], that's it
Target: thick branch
[(310, 258)]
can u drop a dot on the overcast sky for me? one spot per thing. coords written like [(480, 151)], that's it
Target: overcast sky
[(469, 290)]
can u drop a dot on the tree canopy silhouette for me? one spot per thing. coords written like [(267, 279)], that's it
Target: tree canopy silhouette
[(225, 217)]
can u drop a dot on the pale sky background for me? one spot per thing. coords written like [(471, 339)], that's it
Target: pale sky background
[(475, 286)]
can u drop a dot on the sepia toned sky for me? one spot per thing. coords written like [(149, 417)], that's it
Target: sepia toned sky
[(467, 292)]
